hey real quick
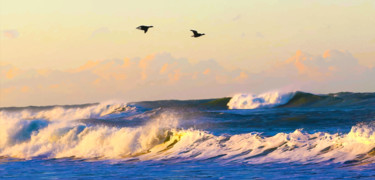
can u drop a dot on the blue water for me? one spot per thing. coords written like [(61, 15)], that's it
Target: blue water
[(67, 169), (178, 140)]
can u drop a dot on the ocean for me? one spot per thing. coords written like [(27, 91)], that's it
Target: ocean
[(274, 135)]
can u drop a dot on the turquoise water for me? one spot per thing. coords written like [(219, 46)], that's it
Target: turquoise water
[(303, 136)]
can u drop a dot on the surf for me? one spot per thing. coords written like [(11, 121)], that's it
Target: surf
[(52, 134), (198, 130), (277, 99), (264, 100)]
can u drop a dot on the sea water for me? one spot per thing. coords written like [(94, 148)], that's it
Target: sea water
[(268, 136)]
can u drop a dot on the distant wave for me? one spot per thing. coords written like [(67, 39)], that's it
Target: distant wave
[(299, 99), (271, 99), (52, 113), (251, 101)]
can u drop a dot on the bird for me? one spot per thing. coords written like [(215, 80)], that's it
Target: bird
[(144, 28), (196, 34)]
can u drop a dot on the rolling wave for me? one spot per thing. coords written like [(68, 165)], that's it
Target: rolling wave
[(163, 139), (299, 99), (64, 112), (251, 101), (158, 131)]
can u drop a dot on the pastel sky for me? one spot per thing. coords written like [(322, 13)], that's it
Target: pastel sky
[(66, 52)]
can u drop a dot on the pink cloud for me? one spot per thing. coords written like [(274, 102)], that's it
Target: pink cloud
[(162, 76), (12, 34)]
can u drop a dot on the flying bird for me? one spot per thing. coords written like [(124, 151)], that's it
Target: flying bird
[(196, 34), (144, 28)]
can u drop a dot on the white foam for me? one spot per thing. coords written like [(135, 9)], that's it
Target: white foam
[(292, 147), (66, 114), (161, 138), (251, 101), (19, 126), (58, 139)]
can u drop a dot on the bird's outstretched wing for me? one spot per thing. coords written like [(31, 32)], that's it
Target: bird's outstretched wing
[(195, 32), (146, 29)]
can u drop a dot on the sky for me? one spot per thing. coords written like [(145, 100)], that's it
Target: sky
[(68, 52)]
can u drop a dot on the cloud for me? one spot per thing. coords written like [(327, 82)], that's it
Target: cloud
[(162, 76), (9, 72), (11, 34), (331, 64), (158, 76), (259, 35), (236, 18), (99, 31), (332, 71)]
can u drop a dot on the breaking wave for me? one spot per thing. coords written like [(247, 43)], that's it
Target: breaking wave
[(65, 113), (251, 101), (300, 99), (54, 134)]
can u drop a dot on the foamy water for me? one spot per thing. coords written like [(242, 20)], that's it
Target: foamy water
[(129, 133), (251, 101)]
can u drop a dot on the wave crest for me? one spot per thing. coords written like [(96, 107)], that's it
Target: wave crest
[(67, 113), (59, 139), (161, 139), (251, 101), (57, 133)]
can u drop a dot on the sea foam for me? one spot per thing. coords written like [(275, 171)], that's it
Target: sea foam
[(53, 134), (264, 100)]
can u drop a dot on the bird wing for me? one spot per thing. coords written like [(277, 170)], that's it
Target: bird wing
[(145, 30), (195, 32), (141, 27)]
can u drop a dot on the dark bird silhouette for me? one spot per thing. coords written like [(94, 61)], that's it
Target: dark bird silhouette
[(196, 34), (144, 28)]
